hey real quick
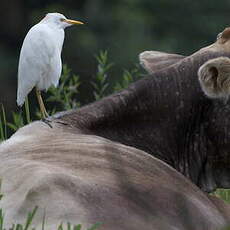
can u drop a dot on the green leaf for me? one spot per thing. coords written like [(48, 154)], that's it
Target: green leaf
[(95, 226), (77, 227), (30, 218)]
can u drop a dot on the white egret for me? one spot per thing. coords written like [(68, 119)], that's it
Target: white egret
[(40, 62)]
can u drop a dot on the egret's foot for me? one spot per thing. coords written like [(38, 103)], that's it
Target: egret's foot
[(45, 115), (46, 121), (41, 104), (62, 122)]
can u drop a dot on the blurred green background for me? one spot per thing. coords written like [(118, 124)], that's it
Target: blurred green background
[(123, 27)]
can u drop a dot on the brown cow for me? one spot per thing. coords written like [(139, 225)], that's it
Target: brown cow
[(169, 116), (98, 163)]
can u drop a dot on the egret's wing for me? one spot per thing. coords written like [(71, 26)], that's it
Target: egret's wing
[(153, 61), (39, 54)]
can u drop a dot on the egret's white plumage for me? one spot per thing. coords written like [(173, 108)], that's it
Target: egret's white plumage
[(40, 62)]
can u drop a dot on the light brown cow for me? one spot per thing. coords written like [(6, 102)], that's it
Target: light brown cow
[(88, 179)]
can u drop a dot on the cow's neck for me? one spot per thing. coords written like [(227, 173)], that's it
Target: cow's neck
[(159, 115), (145, 116), (137, 116)]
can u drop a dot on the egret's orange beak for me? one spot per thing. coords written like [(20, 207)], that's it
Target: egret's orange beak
[(73, 22)]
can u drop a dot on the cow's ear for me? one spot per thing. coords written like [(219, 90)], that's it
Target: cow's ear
[(224, 36), (214, 77), (153, 61)]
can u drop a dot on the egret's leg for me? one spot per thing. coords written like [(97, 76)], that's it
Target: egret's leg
[(41, 104)]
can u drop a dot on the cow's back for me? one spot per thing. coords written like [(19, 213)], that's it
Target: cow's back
[(85, 179)]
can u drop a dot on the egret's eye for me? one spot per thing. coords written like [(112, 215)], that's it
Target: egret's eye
[(62, 19)]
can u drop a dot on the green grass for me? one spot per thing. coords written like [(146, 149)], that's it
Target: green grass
[(224, 194), (28, 225), (3, 124), (64, 98)]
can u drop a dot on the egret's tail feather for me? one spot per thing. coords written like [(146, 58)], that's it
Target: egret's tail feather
[(21, 95), (20, 100)]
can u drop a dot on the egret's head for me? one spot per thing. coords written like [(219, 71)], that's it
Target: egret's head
[(60, 20)]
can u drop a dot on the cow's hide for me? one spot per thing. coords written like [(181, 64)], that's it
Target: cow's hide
[(85, 179), (75, 170)]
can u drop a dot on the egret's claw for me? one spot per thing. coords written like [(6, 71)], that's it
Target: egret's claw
[(46, 121)]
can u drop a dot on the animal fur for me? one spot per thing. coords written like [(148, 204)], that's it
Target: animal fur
[(214, 77)]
